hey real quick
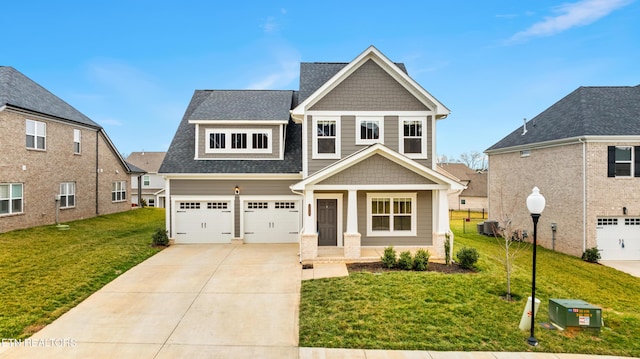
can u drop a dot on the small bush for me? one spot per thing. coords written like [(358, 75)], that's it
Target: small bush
[(405, 261), (467, 257), (591, 255), (160, 238), (389, 257), (421, 260)]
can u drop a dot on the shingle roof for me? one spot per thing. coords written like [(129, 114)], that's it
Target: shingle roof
[(148, 161), (476, 181), (19, 91), (180, 156), (242, 105), (587, 111)]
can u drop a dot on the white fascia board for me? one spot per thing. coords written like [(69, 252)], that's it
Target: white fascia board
[(238, 122), (378, 187), (563, 142), (234, 176), (2, 107)]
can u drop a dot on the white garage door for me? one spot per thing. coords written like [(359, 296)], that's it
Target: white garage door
[(271, 221), (618, 238), (203, 222)]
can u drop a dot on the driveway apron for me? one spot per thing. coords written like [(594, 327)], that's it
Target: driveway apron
[(195, 301)]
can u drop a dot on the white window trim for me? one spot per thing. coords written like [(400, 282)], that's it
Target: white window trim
[(630, 161), (10, 198), (36, 134), (121, 188), (248, 132), (147, 179), (380, 120), (77, 138), (414, 206), (314, 136), (423, 144), (67, 187)]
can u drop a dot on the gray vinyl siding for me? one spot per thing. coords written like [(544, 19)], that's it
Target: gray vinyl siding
[(276, 140), (369, 88), (424, 222), (206, 187), (375, 170)]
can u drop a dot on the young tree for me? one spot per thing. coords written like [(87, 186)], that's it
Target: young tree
[(474, 160)]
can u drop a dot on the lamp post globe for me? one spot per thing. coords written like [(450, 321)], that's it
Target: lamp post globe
[(535, 205)]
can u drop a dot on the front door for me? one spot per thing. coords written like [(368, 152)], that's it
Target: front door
[(327, 222)]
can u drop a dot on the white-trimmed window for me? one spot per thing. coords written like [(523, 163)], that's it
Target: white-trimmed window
[(76, 141), (36, 135), (119, 191), (67, 194), (326, 137), (238, 141), (146, 181), (369, 130), (391, 214), (10, 198), (413, 137), (624, 160)]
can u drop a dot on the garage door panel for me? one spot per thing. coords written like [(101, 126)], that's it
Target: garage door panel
[(203, 222), (271, 221), (618, 238)]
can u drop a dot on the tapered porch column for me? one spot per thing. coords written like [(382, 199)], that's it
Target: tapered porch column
[(352, 238), (441, 224)]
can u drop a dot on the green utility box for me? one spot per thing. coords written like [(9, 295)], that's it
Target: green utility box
[(574, 313)]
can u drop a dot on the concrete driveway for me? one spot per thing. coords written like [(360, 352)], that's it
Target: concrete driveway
[(631, 267), (192, 301)]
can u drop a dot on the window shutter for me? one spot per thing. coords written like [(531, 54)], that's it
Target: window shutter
[(636, 161), (611, 161)]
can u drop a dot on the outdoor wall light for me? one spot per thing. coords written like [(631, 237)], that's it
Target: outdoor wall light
[(237, 190), (535, 205)]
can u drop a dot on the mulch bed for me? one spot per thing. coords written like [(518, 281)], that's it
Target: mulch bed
[(377, 267)]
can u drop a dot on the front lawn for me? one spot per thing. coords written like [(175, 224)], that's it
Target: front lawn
[(436, 311), (44, 271)]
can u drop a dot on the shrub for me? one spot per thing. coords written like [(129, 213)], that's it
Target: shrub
[(421, 260), (405, 261), (447, 249), (389, 257), (591, 255), (467, 257), (160, 238)]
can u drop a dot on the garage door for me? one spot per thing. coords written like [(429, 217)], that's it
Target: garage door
[(271, 221), (203, 222), (618, 238)]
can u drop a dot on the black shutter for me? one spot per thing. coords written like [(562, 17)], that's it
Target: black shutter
[(611, 161), (636, 161)]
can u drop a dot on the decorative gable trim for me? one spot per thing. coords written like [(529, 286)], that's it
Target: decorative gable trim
[(392, 69)]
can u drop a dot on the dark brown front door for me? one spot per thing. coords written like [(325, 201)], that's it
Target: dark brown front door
[(327, 222)]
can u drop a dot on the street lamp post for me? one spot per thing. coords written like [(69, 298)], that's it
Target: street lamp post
[(535, 205)]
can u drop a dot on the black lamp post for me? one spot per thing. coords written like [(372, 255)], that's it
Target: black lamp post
[(535, 205)]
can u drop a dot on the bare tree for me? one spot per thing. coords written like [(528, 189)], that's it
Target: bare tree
[(474, 160)]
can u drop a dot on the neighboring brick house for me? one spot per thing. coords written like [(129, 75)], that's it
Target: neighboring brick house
[(150, 184), (56, 164), (584, 155), (345, 162), (474, 196)]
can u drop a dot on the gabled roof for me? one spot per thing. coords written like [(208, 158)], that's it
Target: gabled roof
[(587, 111), (242, 105), (180, 157), (384, 151), (310, 93), (475, 181), (148, 161), (19, 91)]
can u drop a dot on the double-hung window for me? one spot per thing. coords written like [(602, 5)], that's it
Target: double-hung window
[(623, 161), (413, 142), (76, 141), (146, 180), (36, 135), (119, 191), (238, 141), (369, 130), (67, 194), (326, 137), (391, 214), (10, 198)]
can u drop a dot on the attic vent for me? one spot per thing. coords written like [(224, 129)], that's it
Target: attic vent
[(525, 153), (524, 127)]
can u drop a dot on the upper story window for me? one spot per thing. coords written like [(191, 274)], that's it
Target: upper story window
[(413, 141), (36, 135), (76, 141), (326, 137), (369, 130), (623, 161), (67, 194), (238, 141), (10, 198), (146, 180), (119, 191)]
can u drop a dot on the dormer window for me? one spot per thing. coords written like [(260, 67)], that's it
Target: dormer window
[(238, 140)]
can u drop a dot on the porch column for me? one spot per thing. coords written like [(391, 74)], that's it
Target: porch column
[(441, 224), (309, 236), (352, 238)]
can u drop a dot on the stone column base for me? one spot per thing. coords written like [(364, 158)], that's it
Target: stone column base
[(352, 245), (308, 246)]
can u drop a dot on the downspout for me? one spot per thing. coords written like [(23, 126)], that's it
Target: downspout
[(584, 194), (97, 172)]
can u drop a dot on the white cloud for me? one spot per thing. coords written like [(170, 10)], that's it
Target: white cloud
[(568, 16), (287, 63)]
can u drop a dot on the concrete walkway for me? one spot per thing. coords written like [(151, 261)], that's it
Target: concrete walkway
[(630, 267), (206, 301)]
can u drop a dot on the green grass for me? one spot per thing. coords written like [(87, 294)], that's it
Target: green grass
[(433, 311), (44, 272)]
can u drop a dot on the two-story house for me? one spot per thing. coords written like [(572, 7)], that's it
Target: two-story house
[(149, 185), (56, 164), (583, 153), (347, 161)]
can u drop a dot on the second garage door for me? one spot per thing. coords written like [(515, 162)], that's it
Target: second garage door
[(618, 238), (271, 221)]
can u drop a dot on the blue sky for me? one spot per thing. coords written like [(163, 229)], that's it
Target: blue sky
[(132, 66)]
